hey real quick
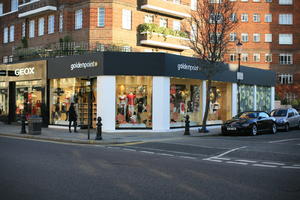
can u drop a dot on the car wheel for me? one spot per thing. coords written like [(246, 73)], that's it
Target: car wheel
[(274, 128), (286, 127), (254, 130)]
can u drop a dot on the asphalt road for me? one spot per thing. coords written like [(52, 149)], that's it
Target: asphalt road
[(260, 167)]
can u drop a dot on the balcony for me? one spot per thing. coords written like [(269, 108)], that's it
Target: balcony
[(33, 7), (167, 7)]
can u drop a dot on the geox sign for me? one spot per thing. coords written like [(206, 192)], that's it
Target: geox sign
[(24, 71)]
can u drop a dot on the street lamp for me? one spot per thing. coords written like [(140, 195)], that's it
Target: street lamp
[(239, 75)]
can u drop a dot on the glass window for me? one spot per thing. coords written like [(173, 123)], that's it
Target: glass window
[(256, 37), (285, 38), (1, 8), (268, 37), (263, 98), (23, 29), (5, 35), (263, 114), (286, 2), (194, 4), (78, 19), (149, 19), (285, 59), (31, 29), (12, 33), (51, 24), (220, 103), (268, 57), (61, 22), (256, 57), (268, 17), (244, 17), (185, 99), (244, 37), (126, 19), (134, 102), (256, 17), (163, 22), (286, 19), (176, 25), (3, 101), (246, 97), (14, 5), (101, 17), (232, 37), (244, 57), (41, 26)]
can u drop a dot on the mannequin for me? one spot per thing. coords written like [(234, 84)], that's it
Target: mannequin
[(130, 101), (122, 106)]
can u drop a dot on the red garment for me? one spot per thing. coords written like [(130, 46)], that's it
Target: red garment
[(130, 98)]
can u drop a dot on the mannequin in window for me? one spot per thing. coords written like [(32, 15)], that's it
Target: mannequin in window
[(122, 106), (130, 101)]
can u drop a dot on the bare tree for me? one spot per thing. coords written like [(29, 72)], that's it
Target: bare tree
[(210, 26)]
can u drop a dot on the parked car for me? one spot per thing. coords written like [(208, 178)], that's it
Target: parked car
[(286, 118), (251, 122)]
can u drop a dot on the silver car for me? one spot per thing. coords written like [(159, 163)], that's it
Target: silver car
[(286, 118)]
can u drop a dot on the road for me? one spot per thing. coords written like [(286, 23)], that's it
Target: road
[(215, 167)]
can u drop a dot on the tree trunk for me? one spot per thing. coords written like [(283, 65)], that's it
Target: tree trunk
[(203, 130)]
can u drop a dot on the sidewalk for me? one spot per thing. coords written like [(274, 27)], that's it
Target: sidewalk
[(117, 137)]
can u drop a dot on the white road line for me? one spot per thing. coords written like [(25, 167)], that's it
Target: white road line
[(260, 165), (248, 161), (290, 167), (214, 160), (187, 157), (164, 154), (129, 149), (273, 163), (296, 165), (278, 141), (227, 152), (239, 163), (149, 152), (221, 158)]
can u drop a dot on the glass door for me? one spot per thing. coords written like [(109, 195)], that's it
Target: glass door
[(3, 101)]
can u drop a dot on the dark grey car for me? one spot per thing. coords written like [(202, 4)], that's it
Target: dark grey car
[(286, 118)]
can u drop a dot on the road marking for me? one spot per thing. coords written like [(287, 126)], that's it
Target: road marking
[(227, 152), (260, 165), (187, 157), (278, 141), (290, 167), (248, 161), (214, 160), (149, 152), (239, 163), (221, 158), (296, 165), (165, 154), (129, 149), (273, 163)]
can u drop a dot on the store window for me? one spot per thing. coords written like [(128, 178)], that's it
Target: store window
[(134, 102), (246, 97), (185, 99), (220, 103), (263, 98), (3, 101), (29, 98), (72, 90)]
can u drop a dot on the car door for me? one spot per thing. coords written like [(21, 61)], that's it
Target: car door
[(291, 118), (261, 121)]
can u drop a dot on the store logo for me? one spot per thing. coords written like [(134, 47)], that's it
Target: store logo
[(184, 66), (24, 71), (85, 65)]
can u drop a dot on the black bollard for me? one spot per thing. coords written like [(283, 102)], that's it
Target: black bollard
[(23, 128), (187, 125), (99, 129)]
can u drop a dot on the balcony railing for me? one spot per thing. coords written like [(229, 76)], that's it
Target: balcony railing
[(167, 7), (65, 49), (33, 7)]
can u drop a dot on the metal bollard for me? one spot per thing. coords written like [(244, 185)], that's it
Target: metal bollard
[(187, 125), (99, 129), (23, 128)]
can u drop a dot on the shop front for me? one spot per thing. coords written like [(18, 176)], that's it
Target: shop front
[(23, 91)]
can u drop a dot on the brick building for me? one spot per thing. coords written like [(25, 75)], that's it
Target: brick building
[(268, 29)]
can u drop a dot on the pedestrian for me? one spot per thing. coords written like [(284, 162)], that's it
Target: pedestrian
[(72, 117)]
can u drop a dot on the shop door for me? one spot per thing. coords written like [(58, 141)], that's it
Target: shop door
[(3, 101)]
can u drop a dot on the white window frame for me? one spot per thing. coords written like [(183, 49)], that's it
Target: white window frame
[(268, 18), (244, 17), (12, 33), (5, 59), (163, 22), (126, 19), (61, 22), (176, 25), (256, 57), (268, 57), (149, 19), (244, 57), (286, 39), (78, 19), (23, 29), (232, 37), (286, 19), (285, 2), (243, 35), (51, 22), (14, 5), (31, 29), (256, 17), (268, 37), (1, 8), (232, 57), (256, 37), (285, 78), (288, 60), (41, 26), (194, 4), (5, 35), (101, 17)]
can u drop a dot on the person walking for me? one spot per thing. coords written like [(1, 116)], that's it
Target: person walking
[(72, 117)]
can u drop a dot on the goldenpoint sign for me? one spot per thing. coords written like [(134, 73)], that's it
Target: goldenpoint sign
[(83, 65)]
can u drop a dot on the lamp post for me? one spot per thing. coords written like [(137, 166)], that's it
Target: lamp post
[(239, 74)]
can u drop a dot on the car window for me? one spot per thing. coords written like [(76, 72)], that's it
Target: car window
[(291, 114), (295, 112), (279, 113), (263, 114), (248, 115)]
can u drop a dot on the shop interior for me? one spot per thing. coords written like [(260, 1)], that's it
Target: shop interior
[(3, 101)]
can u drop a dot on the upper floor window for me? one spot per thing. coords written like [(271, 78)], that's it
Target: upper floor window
[(232, 37), (286, 19), (176, 25), (268, 1), (78, 19), (31, 29), (215, 18), (244, 37), (101, 17), (176, 1), (244, 17), (286, 59), (163, 22), (256, 0), (256, 57), (244, 0), (14, 5), (41, 26), (126, 19), (61, 22), (233, 17), (244, 57), (268, 17), (12, 33), (285, 78), (232, 57), (5, 59), (51, 24), (194, 32), (286, 2), (1, 8), (268, 57), (194, 4), (215, 38), (256, 37), (5, 35), (215, 1), (256, 17), (285, 38), (23, 29), (268, 37), (149, 19)]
